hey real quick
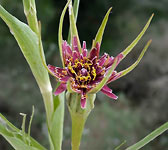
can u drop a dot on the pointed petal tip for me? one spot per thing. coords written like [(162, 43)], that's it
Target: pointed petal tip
[(61, 88), (83, 103)]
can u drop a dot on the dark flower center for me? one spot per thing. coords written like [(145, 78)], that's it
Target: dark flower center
[(83, 72)]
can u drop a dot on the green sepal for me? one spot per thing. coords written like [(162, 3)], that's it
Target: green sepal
[(60, 38), (100, 32), (105, 79), (15, 136), (129, 69), (132, 45), (76, 8), (73, 28)]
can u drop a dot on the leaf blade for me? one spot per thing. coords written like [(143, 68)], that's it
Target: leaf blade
[(28, 43), (149, 137)]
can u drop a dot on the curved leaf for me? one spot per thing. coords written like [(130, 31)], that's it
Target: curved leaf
[(29, 43), (60, 38)]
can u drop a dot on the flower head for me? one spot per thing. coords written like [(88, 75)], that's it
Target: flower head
[(85, 72)]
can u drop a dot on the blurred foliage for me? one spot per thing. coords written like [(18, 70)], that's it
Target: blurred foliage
[(142, 104)]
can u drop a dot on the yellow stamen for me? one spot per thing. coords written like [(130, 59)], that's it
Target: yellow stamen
[(93, 73)]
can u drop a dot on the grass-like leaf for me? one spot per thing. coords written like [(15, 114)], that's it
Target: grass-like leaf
[(149, 137)]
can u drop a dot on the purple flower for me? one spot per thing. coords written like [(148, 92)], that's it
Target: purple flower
[(86, 72)]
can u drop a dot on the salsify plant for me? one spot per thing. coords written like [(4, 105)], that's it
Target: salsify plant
[(84, 73)]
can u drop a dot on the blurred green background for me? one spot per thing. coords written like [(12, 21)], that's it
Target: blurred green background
[(143, 94)]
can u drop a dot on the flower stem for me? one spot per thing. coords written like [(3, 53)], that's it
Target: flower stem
[(78, 122), (78, 115)]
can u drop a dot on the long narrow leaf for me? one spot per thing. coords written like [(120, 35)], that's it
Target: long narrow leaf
[(149, 137), (28, 42)]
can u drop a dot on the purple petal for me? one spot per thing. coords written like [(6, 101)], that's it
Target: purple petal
[(84, 44), (98, 49), (110, 62), (84, 52), (93, 53), (61, 88), (75, 44), (99, 70), (64, 79), (114, 77), (119, 58), (69, 50), (75, 55), (103, 59), (109, 93), (64, 45), (94, 60), (97, 80), (83, 100), (107, 89)]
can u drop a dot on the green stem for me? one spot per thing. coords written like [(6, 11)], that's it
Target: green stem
[(78, 123), (30, 12), (78, 115), (48, 103)]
